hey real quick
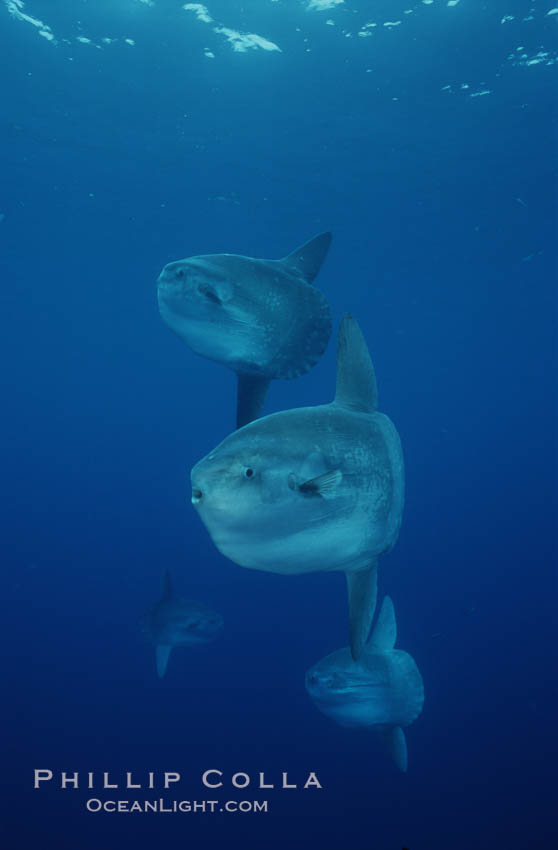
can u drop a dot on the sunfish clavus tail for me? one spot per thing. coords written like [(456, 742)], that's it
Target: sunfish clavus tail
[(262, 318), (313, 488)]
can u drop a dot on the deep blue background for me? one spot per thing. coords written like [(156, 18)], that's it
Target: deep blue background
[(123, 159)]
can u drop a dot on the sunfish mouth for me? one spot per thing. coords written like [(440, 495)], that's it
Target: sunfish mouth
[(197, 495)]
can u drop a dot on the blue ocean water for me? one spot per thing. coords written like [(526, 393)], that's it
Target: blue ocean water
[(423, 135)]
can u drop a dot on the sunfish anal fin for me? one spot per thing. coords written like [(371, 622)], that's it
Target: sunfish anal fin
[(323, 485), (307, 260), (251, 394), (356, 381), (162, 652), (394, 739), (362, 587), (384, 633)]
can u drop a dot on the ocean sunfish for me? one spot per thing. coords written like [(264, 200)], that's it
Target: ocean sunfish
[(313, 488), (174, 621), (261, 318), (383, 690)]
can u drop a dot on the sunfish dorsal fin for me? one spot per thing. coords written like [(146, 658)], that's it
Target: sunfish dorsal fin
[(362, 587), (167, 585), (162, 652), (384, 633), (356, 381), (394, 739), (307, 260)]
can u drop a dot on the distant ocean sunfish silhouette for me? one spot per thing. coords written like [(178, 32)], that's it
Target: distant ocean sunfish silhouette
[(174, 621), (383, 690), (261, 318), (313, 488)]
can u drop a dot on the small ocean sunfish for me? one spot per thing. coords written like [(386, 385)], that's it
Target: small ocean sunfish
[(383, 690), (313, 488), (261, 318), (179, 622)]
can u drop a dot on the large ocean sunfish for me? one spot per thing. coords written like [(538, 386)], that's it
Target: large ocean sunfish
[(174, 621), (261, 318), (313, 488), (383, 690)]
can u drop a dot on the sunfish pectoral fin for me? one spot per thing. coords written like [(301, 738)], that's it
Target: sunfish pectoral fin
[(162, 652), (356, 381), (324, 485), (251, 394), (307, 260), (394, 739), (384, 633), (362, 587)]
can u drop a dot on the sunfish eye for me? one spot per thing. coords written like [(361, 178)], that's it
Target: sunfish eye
[(179, 274), (248, 472)]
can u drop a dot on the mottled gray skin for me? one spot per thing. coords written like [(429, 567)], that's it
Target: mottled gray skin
[(383, 690), (258, 317), (262, 523), (174, 621), (312, 489)]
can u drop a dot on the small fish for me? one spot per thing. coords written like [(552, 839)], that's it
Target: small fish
[(262, 318), (174, 621), (383, 690)]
